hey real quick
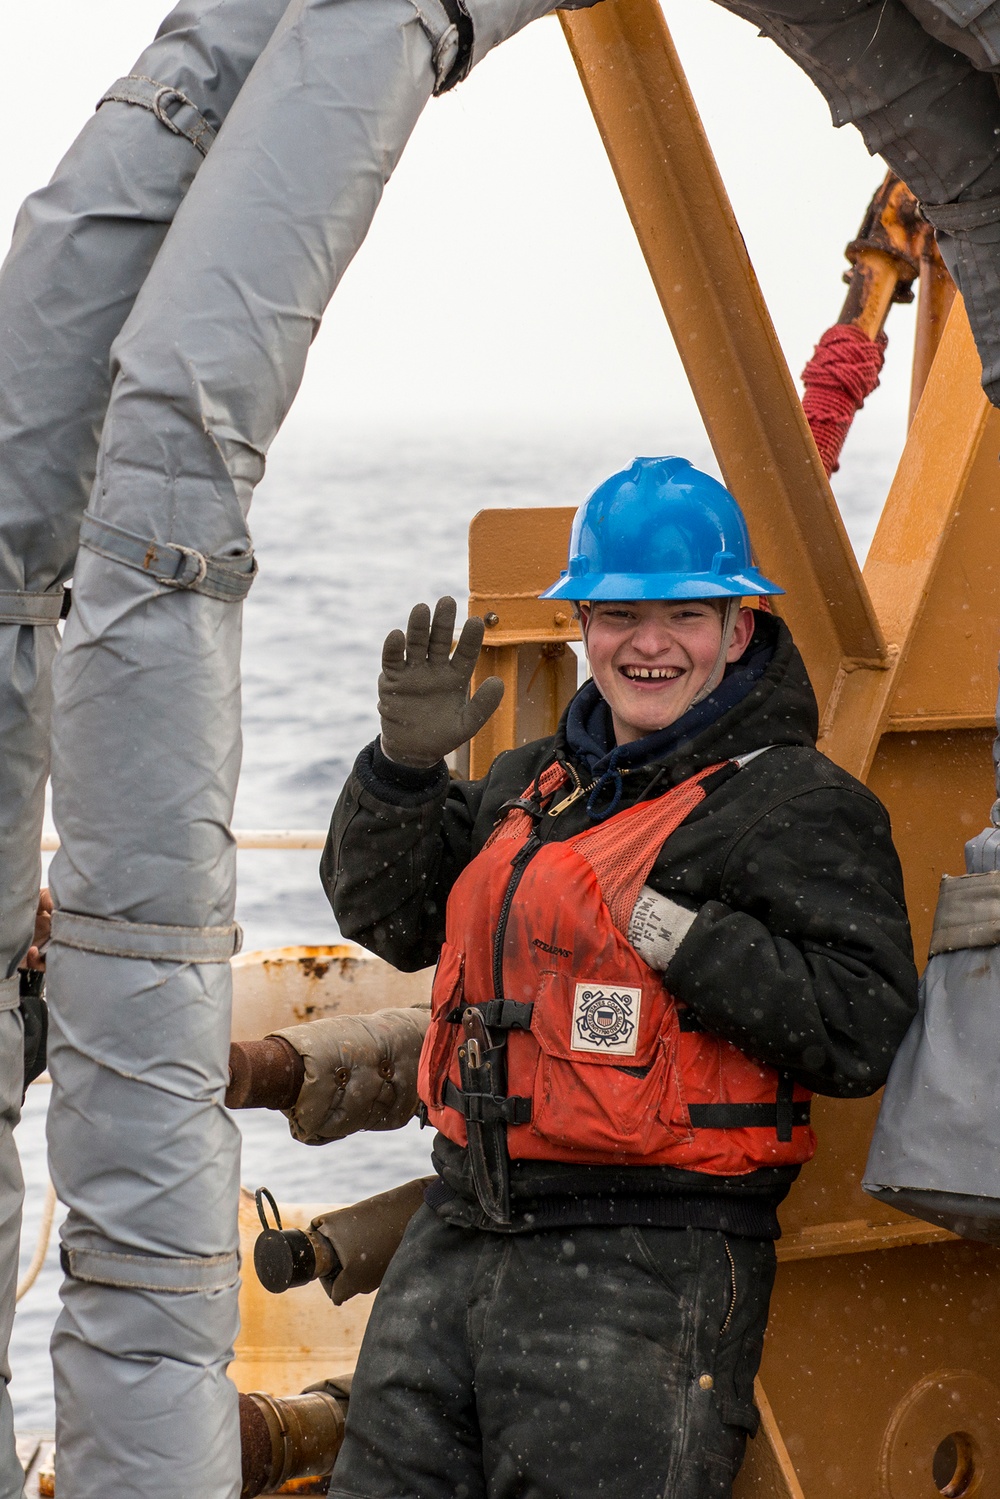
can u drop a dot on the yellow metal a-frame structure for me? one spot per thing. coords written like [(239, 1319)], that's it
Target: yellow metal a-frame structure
[(879, 1375)]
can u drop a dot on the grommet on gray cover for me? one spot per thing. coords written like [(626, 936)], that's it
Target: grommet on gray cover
[(31, 608), (171, 107), (138, 939), (169, 563), (175, 1274)]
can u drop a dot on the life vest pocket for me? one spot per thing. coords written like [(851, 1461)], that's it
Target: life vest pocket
[(606, 1083), (441, 1041)]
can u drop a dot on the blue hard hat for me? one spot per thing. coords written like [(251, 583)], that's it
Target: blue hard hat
[(660, 530)]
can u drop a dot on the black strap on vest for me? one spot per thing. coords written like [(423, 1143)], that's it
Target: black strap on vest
[(785, 1108), (748, 1116), (487, 1108), (498, 1014)]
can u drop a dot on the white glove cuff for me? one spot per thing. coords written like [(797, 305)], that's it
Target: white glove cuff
[(657, 927)]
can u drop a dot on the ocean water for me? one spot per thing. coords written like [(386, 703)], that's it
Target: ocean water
[(351, 529)]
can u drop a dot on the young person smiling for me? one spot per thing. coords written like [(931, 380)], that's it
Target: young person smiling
[(657, 932)]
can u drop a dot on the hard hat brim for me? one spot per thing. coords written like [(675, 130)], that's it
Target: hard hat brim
[(664, 586)]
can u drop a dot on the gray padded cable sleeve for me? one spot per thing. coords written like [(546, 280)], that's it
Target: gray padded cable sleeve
[(82, 247), (146, 724), (938, 1128)]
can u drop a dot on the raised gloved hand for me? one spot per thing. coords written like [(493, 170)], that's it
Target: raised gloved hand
[(658, 926), (423, 692)]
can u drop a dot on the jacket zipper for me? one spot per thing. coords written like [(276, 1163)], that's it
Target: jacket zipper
[(574, 795), (518, 865)]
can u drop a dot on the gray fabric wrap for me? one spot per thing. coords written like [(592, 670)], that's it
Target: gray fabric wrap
[(968, 26), (11, 1197), (127, 1361), (81, 249), (938, 1128), (146, 718), (968, 913), (360, 1073), (923, 106)]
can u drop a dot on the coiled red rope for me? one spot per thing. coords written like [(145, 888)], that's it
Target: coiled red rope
[(838, 379)]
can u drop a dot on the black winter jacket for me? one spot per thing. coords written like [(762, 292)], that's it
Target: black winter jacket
[(800, 953)]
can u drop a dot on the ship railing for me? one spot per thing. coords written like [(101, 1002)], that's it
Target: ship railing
[(279, 838)]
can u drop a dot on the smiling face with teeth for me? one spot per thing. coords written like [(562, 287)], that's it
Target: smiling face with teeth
[(650, 659)]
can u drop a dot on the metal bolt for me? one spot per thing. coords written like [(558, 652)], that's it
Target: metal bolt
[(560, 619), (342, 1076), (491, 620)]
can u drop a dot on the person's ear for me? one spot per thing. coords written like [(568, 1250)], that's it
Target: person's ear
[(742, 634)]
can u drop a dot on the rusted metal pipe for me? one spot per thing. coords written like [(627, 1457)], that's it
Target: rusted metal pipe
[(297, 1437), (885, 257), (264, 1074)]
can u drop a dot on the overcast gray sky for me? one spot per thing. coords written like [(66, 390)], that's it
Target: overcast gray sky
[(502, 280)]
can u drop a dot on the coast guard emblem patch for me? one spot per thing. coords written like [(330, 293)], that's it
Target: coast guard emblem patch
[(605, 1018)]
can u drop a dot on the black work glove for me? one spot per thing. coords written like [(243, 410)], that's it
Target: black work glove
[(423, 692)]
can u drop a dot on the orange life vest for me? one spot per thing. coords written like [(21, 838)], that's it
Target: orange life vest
[(603, 1066)]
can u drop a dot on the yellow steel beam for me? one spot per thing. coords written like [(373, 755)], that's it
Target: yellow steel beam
[(949, 465), (937, 293), (699, 265)]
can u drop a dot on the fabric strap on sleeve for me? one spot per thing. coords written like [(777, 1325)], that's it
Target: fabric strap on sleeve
[(953, 218), (169, 563), (135, 939), (168, 104), (968, 912), (32, 608), (116, 1265)]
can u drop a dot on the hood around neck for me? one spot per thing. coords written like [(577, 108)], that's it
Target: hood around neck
[(764, 698)]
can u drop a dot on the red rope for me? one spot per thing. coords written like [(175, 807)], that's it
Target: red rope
[(838, 379)]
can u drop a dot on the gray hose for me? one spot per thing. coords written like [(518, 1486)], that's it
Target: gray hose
[(146, 731), (82, 247)]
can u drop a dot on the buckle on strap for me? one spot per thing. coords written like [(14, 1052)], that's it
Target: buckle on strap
[(465, 37), (169, 563), (170, 106), (487, 1108), (24, 608)]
